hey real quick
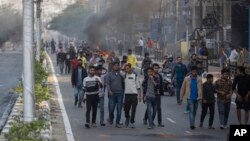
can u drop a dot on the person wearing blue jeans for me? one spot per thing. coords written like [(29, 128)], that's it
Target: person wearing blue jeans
[(149, 96), (192, 90), (77, 76), (102, 92), (115, 87), (223, 88), (151, 111), (179, 72), (115, 101)]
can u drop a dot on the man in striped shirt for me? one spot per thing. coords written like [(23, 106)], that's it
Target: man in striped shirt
[(91, 85)]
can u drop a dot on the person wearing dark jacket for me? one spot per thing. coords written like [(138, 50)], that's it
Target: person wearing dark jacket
[(159, 93), (208, 101), (149, 86), (61, 57), (78, 74)]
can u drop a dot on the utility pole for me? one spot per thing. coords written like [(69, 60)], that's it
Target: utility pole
[(177, 21), (194, 14), (38, 29), (28, 63)]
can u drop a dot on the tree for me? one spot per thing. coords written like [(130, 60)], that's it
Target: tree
[(72, 20)]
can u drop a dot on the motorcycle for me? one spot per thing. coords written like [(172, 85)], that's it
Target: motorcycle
[(167, 82)]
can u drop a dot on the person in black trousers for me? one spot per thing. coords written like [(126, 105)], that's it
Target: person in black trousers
[(208, 101), (91, 85)]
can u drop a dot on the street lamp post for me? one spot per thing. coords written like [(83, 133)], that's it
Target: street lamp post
[(38, 29), (28, 63)]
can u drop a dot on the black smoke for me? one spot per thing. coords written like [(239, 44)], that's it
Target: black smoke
[(10, 25), (119, 15)]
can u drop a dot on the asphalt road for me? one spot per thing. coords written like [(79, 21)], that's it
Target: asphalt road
[(175, 121), (10, 71)]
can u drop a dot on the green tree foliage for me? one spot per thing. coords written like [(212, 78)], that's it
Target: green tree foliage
[(72, 20)]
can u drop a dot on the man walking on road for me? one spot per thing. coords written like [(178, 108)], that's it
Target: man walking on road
[(61, 57), (115, 87), (208, 101), (149, 91), (178, 74), (132, 59), (191, 89), (78, 74), (146, 62), (132, 92), (91, 85), (102, 92), (241, 81), (223, 88)]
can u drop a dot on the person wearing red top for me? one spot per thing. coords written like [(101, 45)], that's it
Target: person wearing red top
[(74, 63)]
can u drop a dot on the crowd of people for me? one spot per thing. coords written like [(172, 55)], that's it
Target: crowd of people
[(93, 81)]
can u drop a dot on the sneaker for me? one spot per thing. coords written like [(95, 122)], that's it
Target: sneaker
[(201, 125), (127, 122), (145, 122), (161, 125), (222, 127), (225, 126), (186, 112), (87, 125), (94, 125), (132, 125), (118, 126), (103, 124), (211, 127), (150, 127), (192, 127)]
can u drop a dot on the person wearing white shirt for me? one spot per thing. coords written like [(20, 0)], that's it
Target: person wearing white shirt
[(233, 56), (132, 92)]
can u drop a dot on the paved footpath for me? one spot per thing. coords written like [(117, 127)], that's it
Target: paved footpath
[(176, 122)]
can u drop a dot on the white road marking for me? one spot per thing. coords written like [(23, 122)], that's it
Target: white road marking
[(188, 132), (169, 119), (69, 133)]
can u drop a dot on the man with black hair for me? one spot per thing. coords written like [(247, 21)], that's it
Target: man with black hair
[(77, 76), (191, 89), (91, 85), (132, 59), (192, 61), (223, 88), (146, 62), (208, 101), (242, 101), (132, 93), (115, 87), (178, 74), (149, 86), (159, 93)]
